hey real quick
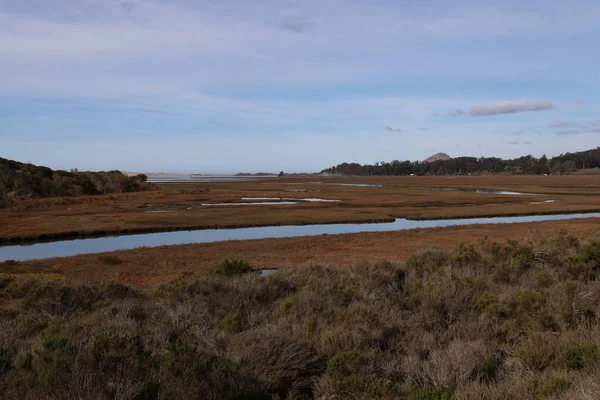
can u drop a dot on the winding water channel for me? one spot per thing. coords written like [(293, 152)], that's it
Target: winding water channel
[(66, 248)]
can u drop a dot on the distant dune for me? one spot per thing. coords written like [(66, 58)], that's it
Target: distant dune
[(438, 157)]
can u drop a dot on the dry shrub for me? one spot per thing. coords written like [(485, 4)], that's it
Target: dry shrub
[(477, 323), (516, 389), (586, 387), (541, 351), (458, 363), (424, 261), (277, 362)]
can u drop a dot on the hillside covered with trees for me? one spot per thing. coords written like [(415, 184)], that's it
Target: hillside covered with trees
[(472, 165), (19, 181)]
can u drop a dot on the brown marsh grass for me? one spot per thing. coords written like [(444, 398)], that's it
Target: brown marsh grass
[(146, 267), (408, 197)]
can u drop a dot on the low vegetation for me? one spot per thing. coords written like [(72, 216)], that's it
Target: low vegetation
[(493, 321), (19, 181)]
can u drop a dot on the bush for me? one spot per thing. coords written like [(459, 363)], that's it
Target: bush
[(555, 386), (6, 359), (109, 260), (430, 393), (234, 267), (440, 326), (581, 357)]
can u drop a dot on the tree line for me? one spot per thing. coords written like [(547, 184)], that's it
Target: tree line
[(529, 164), (19, 181)]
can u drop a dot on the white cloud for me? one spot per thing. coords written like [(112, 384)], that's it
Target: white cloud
[(510, 107)]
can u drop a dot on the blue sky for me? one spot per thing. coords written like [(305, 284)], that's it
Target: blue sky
[(270, 85)]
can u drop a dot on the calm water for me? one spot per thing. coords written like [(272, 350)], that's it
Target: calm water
[(204, 179), (84, 246)]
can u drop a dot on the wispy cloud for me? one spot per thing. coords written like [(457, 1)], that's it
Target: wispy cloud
[(569, 132), (295, 24), (559, 124), (284, 69), (511, 107), (513, 142)]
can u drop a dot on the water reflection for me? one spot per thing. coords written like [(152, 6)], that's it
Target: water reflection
[(124, 242)]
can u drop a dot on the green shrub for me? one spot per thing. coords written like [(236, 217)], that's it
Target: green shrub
[(581, 357), (467, 254), (109, 260), (485, 301), (232, 322), (431, 393), (53, 363), (57, 297), (589, 255), (491, 364), (118, 290), (6, 360), (528, 300), (555, 386), (350, 373), (234, 267), (524, 255), (297, 395)]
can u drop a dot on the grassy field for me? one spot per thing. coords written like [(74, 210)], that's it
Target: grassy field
[(493, 321), (408, 197)]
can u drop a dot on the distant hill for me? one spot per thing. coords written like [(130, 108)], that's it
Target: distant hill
[(442, 164), (438, 157), (20, 181)]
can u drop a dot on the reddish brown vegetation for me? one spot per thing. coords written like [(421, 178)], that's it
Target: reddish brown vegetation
[(146, 267), (399, 197)]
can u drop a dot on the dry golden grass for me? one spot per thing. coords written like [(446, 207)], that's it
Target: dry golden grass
[(407, 197)]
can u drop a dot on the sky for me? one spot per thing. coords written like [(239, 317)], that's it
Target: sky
[(268, 85)]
